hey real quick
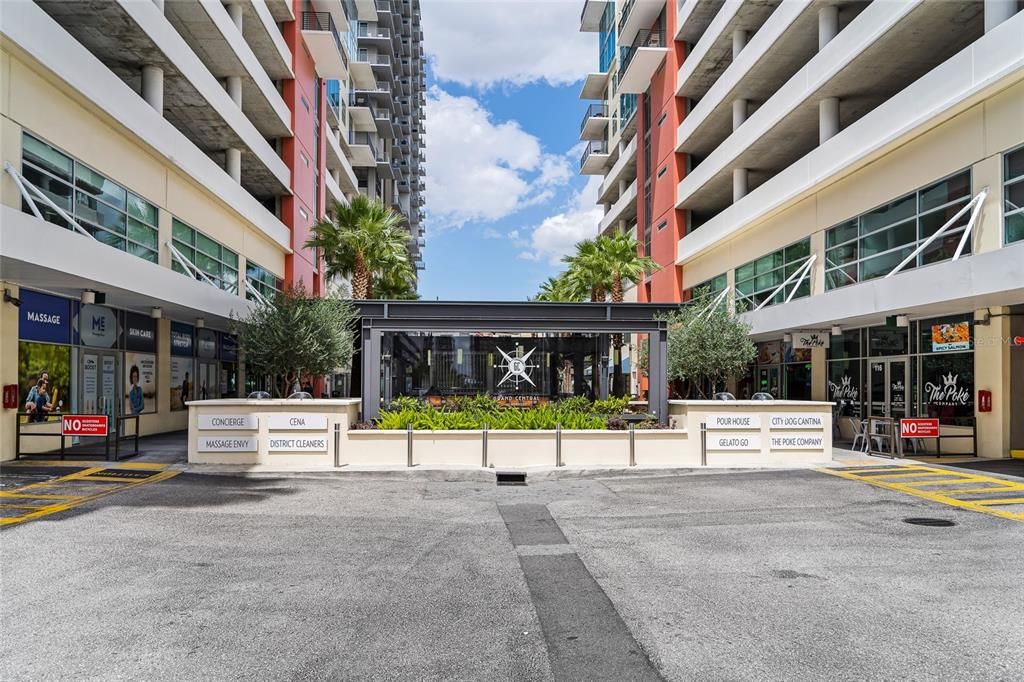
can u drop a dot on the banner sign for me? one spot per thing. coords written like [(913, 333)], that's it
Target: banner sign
[(919, 428), (84, 425), (43, 318), (811, 339), (182, 341), (954, 336), (139, 333), (206, 342), (228, 348), (97, 326)]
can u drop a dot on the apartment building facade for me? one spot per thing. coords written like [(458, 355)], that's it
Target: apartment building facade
[(849, 172), (164, 163)]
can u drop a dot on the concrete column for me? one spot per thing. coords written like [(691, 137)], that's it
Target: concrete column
[(233, 163), (739, 183), (235, 12), (988, 231), (153, 87), (234, 87), (828, 24), (998, 11), (828, 118), (992, 372), (739, 112), (9, 373), (159, 5), (739, 41), (622, 187)]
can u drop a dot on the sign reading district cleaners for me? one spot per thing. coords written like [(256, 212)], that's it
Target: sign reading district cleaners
[(83, 425), (738, 420), (797, 420), (733, 441), (297, 443), (798, 441), (297, 422), (226, 444), (228, 422)]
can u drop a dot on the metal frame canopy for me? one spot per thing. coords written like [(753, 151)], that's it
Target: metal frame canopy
[(603, 319)]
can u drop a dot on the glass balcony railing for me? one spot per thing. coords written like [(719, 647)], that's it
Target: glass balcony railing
[(627, 7), (599, 109), (593, 147)]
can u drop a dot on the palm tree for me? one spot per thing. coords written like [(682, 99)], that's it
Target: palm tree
[(621, 254), (589, 270), (361, 240), (558, 289), (395, 284)]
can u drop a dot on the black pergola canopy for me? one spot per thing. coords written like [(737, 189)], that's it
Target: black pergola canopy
[(603, 319)]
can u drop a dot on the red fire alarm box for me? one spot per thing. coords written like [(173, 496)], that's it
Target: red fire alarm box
[(10, 396), (984, 401)]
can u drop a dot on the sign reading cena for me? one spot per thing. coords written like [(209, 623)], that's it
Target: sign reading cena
[(297, 422), (226, 444), (228, 422), (738, 420), (297, 443), (797, 420)]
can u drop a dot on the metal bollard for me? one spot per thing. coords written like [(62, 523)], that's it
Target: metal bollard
[(408, 438), (337, 445), (558, 445), (703, 444), (632, 446), (483, 462)]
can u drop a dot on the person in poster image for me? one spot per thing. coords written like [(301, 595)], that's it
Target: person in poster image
[(33, 393), (135, 394), (43, 406), (186, 390)]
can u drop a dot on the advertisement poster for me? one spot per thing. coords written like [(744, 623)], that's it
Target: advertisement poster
[(951, 336), (182, 382), (140, 383), (90, 382), (769, 353), (106, 401), (48, 362)]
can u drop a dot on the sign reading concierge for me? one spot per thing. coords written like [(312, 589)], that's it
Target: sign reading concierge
[(228, 422)]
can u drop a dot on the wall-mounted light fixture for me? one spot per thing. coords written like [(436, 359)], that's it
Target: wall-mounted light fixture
[(837, 330), (88, 297), (787, 338), (902, 321), (13, 300), (200, 323), (156, 312)]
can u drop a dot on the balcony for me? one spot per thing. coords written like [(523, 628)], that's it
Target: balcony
[(623, 209), (595, 158), (637, 15), (324, 43), (595, 122), (373, 33), (590, 17), (364, 150), (640, 60), (594, 85)]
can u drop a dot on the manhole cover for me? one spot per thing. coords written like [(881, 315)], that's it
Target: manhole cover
[(926, 521)]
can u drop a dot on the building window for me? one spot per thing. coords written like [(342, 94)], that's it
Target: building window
[(218, 262), (874, 243), (1013, 195), (756, 280), (262, 280), (105, 209), (712, 287), (607, 37)]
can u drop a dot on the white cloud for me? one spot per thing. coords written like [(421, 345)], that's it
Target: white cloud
[(488, 42), (558, 235), (480, 169)]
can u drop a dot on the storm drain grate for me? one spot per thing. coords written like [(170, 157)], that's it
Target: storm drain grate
[(510, 478), (122, 473), (928, 521)]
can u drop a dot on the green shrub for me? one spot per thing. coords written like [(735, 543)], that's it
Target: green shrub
[(611, 406)]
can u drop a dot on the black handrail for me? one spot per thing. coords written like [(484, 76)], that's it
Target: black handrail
[(598, 109), (113, 435)]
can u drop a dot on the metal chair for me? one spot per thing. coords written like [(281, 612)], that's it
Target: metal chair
[(861, 434)]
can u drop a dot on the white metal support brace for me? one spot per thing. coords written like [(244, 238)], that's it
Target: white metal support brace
[(24, 186), (802, 272), (190, 268), (974, 205)]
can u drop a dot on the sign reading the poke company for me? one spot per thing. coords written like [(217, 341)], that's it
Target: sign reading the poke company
[(297, 422), (228, 422), (733, 421), (798, 441)]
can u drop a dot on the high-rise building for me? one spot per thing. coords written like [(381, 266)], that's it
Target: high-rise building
[(850, 172), (164, 163)]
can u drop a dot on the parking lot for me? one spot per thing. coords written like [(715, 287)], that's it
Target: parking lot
[(738, 575)]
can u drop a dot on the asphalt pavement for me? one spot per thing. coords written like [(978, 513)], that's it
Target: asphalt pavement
[(779, 575)]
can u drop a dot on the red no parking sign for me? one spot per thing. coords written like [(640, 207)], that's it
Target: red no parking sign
[(919, 428), (83, 425)]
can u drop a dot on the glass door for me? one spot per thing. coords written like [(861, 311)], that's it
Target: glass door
[(887, 380)]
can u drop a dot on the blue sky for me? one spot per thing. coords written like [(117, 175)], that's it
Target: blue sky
[(504, 197)]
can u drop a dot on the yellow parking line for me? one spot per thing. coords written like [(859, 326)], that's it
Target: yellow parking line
[(22, 506), (146, 466), (879, 469), (940, 496), (40, 496), (933, 472), (1007, 500)]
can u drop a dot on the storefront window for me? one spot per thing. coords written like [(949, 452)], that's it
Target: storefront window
[(183, 371), (105, 209), (947, 387), (874, 243), (888, 341), (1013, 195), (845, 386), (758, 279), (845, 345)]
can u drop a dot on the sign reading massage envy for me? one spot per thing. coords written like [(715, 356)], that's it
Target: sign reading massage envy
[(226, 444)]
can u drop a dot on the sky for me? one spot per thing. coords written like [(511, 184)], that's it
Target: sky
[(505, 200)]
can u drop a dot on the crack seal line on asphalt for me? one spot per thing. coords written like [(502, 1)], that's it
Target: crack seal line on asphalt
[(71, 501), (907, 484)]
